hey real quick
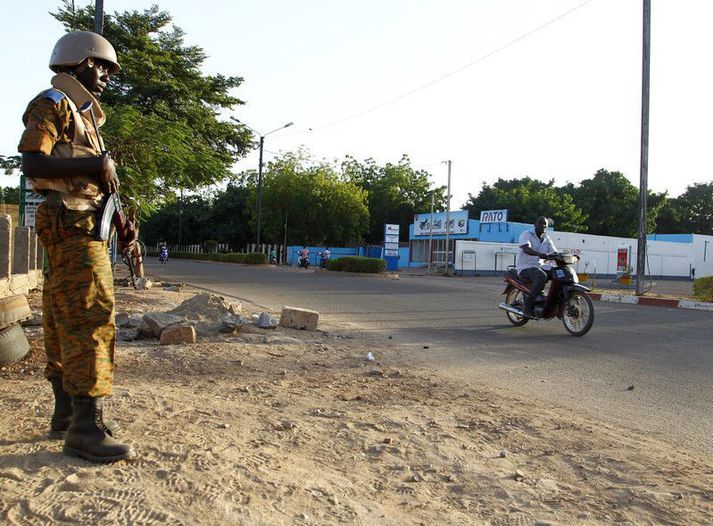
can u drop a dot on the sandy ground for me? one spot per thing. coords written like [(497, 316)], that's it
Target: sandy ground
[(295, 427)]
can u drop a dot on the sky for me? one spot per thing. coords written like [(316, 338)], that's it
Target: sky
[(549, 89)]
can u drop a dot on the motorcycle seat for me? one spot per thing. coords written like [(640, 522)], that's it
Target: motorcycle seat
[(514, 273)]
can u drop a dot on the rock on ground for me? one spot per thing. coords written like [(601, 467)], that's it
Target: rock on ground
[(178, 334), (153, 323)]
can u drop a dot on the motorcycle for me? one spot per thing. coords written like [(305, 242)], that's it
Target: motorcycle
[(163, 255), (323, 260), (567, 299), (273, 259), (303, 262)]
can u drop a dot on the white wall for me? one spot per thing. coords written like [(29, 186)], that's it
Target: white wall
[(664, 258), (598, 254), (703, 255)]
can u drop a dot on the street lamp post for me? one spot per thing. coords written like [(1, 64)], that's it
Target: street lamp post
[(259, 171)]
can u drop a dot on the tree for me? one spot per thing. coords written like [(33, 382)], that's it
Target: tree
[(612, 204), (318, 206), (395, 193), (695, 209), (192, 213), (230, 216), (10, 195), (526, 199), (668, 220), (162, 111), (10, 164)]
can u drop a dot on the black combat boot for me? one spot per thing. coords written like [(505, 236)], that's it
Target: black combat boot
[(63, 412), (87, 437), (62, 409)]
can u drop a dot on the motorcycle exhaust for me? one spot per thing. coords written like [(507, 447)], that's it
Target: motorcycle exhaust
[(511, 310)]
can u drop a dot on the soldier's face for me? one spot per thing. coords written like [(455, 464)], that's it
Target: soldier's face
[(95, 76)]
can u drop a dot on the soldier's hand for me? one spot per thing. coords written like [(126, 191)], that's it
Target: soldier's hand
[(107, 176)]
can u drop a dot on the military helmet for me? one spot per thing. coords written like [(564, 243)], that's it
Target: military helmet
[(74, 48)]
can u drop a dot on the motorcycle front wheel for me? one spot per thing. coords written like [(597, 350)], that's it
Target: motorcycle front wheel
[(515, 299), (578, 315)]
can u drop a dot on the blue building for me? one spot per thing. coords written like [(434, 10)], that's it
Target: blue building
[(425, 238)]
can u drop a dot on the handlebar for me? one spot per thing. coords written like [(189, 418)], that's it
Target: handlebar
[(555, 256)]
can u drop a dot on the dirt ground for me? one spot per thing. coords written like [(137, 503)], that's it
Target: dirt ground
[(295, 427)]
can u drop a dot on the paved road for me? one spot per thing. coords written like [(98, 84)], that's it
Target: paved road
[(666, 354)]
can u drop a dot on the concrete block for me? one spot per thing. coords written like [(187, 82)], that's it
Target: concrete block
[(178, 334), (21, 252), (40, 256), (19, 283), (5, 246), (33, 250), (296, 318), (5, 288)]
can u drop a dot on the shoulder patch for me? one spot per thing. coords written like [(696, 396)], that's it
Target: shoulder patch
[(55, 95)]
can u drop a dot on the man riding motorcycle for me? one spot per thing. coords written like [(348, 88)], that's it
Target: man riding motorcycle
[(163, 253), (326, 256), (535, 245), (304, 258)]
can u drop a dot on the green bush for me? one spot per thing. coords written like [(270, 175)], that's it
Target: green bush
[(246, 259), (703, 288), (357, 264)]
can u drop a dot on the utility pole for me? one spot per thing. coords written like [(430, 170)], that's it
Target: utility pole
[(259, 170), (430, 237), (644, 167), (259, 191), (180, 219), (285, 249), (98, 16), (448, 221)]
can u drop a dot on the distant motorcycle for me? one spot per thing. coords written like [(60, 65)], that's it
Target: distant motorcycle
[(303, 262), (163, 255), (566, 299)]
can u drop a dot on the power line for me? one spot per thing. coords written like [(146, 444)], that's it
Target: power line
[(450, 73)]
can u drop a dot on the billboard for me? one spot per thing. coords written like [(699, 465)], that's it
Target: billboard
[(422, 223)]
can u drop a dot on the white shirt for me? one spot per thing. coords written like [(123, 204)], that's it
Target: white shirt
[(529, 238)]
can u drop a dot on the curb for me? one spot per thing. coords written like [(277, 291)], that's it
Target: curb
[(653, 302)]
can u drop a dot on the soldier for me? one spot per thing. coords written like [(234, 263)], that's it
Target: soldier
[(62, 157)]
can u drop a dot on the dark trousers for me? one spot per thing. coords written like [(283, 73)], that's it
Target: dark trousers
[(538, 276)]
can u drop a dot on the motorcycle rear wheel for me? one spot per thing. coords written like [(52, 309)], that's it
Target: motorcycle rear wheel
[(515, 299), (578, 315)]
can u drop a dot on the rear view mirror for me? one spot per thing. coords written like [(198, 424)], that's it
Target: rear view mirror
[(550, 222)]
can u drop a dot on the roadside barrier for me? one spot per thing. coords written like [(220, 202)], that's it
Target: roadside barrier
[(20, 259)]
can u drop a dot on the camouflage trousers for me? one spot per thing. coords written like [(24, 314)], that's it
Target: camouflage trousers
[(77, 301)]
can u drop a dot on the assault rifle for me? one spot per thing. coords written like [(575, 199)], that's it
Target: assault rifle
[(112, 212)]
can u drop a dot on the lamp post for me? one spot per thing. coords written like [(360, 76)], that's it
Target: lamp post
[(259, 170)]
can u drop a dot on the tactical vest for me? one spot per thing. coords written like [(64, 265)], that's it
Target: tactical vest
[(79, 192)]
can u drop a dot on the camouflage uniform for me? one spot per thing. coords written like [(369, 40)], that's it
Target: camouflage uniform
[(78, 296)]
